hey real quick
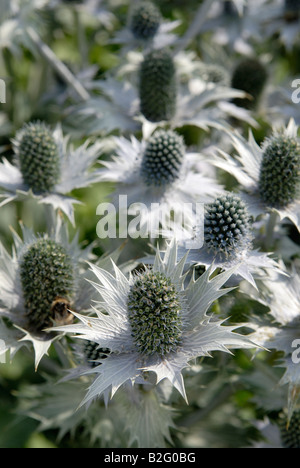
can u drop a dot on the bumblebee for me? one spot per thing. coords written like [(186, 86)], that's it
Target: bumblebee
[(61, 311)]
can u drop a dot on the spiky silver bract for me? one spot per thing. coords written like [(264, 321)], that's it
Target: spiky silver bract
[(47, 172), (249, 168), (200, 333)]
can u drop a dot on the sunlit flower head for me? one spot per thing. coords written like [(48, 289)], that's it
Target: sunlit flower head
[(227, 237), (154, 91), (40, 285), (268, 174), (47, 168), (160, 176), (153, 322), (146, 28)]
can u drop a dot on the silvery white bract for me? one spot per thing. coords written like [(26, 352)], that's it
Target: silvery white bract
[(250, 264), (246, 166), (154, 204), (229, 23), (201, 104), (15, 17), (12, 304), (198, 333), (75, 173), (281, 294), (278, 18)]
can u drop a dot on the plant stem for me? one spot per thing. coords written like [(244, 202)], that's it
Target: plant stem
[(272, 221), (57, 65), (195, 26)]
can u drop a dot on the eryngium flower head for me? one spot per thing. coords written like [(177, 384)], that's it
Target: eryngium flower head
[(154, 314), (226, 225), (93, 353), (290, 430), (163, 303), (279, 179), (249, 166), (249, 76), (158, 86), (163, 158), (40, 284), (47, 279), (145, 20), (39, 157)]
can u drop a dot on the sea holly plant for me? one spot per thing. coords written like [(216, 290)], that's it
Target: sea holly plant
[(158, 181), (153, 323), (146, 28), (155, 97), (40, 285), (268, 174), (228, 236), (47, 168)]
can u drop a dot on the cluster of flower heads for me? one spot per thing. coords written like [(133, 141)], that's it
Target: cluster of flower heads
[(146, 324)]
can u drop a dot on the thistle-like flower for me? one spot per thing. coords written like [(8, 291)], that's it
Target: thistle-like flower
[(250, 75), (158, 86), (227, 236), (269, 174), (145, 20), (147, 28), (159, 176), (159, 91), (290, 431), (46, 169), (153, 322), (40, 286)]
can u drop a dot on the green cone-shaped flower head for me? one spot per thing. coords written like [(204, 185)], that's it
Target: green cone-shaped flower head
[(158, 86), (290, 433), (47, 278), (93, 353), (145, 20), (279, 180), (39, 158), (229, 8), (226, 225), (154, 308), (163, 157), (292, 10), (249, 76)]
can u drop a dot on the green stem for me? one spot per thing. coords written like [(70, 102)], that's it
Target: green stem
[(7, 59), (272, 222), (57, 65), (81, 40), (196, 25)]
